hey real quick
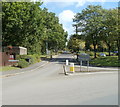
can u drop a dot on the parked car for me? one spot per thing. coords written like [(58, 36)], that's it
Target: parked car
[(102, 54), (115, 51)]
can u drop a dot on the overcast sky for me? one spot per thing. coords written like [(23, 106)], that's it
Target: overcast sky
[(66, 9)]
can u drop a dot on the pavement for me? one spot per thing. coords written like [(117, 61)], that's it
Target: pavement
[(30, 68)]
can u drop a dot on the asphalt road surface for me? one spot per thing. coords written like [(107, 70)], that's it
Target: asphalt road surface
[(49, 86)]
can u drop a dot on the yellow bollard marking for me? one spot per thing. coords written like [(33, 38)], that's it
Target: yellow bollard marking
[(72, 69)]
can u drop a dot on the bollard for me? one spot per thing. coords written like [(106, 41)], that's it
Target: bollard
[(72, 69), (67, 63)]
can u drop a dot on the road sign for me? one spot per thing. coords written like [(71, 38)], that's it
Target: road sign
[(84, 57)]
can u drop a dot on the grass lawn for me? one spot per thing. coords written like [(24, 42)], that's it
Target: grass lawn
[(109, 61), (7, 68)]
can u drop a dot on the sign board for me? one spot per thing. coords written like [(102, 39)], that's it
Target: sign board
[(13, 60), (84, 57)]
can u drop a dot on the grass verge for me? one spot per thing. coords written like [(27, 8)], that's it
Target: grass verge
[(7, 68), (109, 61)]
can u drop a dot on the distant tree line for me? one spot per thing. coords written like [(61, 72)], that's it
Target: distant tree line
[(99, 29), (27, 24)]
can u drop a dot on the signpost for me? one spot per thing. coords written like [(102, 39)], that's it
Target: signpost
[(84, 57)]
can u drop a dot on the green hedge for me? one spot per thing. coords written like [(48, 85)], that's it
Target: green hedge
[(22, 63), (22, 59)]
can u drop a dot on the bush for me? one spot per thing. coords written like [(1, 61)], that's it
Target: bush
[(33, 58), (22, 63), (90, 53), (37, 57), (18, 57)]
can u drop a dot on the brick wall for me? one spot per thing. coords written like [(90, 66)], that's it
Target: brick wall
[(4, 57)]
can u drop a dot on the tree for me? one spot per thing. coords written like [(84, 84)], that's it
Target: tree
[(54, 34), (98, 24), (21, 23), (75, 44), (118, 30), (109, 32), (26, 24), (90, 21)]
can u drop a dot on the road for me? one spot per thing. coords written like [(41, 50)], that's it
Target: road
[(49, 86)]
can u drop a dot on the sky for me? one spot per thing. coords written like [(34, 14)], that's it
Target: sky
[(66, 9)]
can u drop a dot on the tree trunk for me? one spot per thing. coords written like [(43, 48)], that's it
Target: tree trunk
[(95, 55), (109, 48), (95, 50)]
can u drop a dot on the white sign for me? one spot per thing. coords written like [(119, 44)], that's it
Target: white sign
[(13, 60)]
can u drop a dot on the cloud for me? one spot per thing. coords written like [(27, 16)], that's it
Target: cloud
[(66, 18)]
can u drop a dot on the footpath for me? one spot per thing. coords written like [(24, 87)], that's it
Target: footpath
[(27, 69)]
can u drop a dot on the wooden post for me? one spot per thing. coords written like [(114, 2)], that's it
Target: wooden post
[(81, 65), (87, 65), (65, 71)]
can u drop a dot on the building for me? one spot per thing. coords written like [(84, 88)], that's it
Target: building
[(8, 54)]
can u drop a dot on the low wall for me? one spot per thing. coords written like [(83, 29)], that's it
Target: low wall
[(4, 57)]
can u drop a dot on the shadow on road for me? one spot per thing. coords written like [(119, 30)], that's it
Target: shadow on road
[(62, 60), (58, 59)]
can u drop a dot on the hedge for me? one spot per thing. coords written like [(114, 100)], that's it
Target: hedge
[(22, 63), (23, 59)]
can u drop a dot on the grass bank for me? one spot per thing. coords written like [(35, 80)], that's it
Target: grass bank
[(109, 61)]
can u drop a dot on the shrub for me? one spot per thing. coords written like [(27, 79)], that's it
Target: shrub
[(37, 57), (18, 57), (33, 58), (22, 63), (90, 53)]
